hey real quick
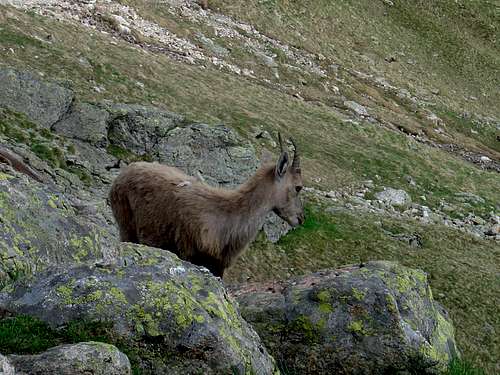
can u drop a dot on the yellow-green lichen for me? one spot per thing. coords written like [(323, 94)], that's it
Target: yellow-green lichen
[(356, 326), (443, 334), (149, 260), (324, 299), (66, 292), (91, 297), (403, 283), (401, 278), (420, 276), (429, 351), (4, 176), (324, 296), (391, 304), (222, 309), (358, 294), (143, 322), (51, 203), (303, 324), (172, 299), (83, 245), (18, 242), (118, 295)]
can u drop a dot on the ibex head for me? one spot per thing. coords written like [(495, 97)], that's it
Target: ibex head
[(288, 184)]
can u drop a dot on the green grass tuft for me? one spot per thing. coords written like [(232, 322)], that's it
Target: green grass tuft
[(461, 367), (26, 335)]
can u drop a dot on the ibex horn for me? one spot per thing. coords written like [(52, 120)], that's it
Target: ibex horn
[(280, 140), (296, 156)]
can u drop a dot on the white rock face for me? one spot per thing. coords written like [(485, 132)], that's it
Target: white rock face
[(6, 367), (356, 107), (394, 197)]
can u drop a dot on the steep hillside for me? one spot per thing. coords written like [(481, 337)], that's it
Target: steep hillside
[(378, 94)]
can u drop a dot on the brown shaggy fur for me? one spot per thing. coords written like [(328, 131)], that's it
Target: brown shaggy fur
[(160, 206)]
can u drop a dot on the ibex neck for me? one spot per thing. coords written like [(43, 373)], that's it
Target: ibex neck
[(250, 203), (256, 194)]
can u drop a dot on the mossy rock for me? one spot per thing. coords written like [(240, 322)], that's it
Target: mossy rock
[(77, 359), (40, 226), (371, 319), (174, 317)]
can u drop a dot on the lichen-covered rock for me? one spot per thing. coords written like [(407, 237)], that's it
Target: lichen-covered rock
[(40, 226), (6, 367), (176, 316), (44, 103), (376, 319), (77, 359)]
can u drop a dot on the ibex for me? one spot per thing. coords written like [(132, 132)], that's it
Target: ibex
[(160, 206)]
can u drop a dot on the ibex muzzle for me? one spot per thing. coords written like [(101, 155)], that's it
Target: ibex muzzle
[(288, 205)]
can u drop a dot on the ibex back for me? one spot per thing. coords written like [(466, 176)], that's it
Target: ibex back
[(160, 206)]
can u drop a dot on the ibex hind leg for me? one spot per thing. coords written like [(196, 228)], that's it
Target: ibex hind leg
[(125, 219), (214, 265), (128, 235)]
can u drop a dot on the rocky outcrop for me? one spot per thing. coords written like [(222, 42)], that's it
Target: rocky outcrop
[(175, 316), (88, 140), (85, 122), (141, 130), (77, 359), (43, 102), (373, 319)]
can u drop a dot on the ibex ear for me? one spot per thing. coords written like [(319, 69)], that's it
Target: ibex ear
[(281, 165)]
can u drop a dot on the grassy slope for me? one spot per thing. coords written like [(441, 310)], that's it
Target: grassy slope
[(463, 270), (453, 45)]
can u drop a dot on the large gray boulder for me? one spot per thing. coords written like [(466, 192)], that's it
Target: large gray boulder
[(44, 103), (376, 319), (76, 359), (176, 317)]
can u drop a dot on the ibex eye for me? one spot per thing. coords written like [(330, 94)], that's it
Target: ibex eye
[(298, 188)]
